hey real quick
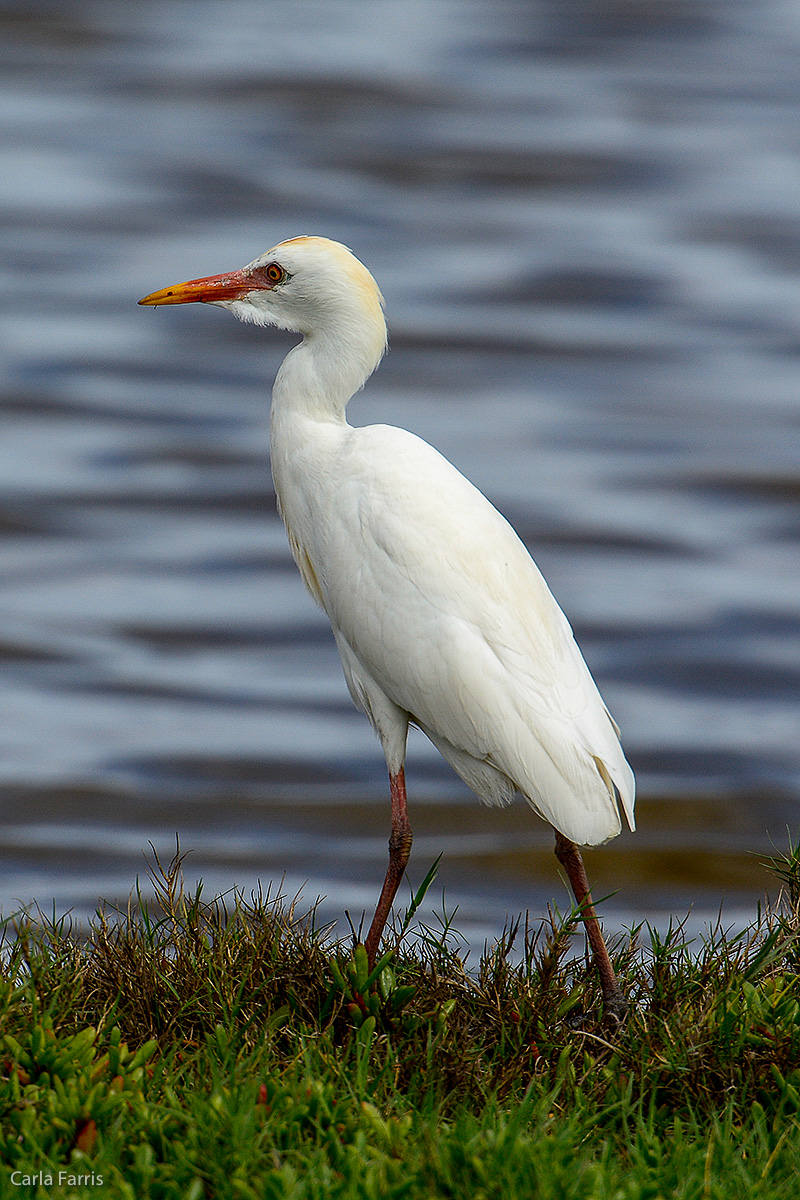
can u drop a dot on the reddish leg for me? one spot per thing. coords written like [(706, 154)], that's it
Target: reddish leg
[(569, 856), (399, 850)]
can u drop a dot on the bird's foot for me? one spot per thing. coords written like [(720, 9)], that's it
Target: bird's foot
[(615, 1008)]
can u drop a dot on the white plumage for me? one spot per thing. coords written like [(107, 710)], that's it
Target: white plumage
[(440, 615)]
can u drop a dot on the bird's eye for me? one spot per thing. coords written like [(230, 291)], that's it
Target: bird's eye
[(275, 273)]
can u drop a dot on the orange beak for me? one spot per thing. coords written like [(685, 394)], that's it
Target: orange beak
[(215, 287)]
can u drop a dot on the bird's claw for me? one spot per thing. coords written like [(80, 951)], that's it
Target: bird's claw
[(616, 1009)]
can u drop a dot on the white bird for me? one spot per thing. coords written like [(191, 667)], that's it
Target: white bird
[(440, 615)]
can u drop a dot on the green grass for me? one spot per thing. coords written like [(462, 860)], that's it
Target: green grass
[(232, 1049)]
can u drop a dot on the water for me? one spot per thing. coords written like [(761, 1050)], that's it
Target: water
[(585, 218)]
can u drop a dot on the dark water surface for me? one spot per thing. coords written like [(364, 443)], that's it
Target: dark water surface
[(585, 218)]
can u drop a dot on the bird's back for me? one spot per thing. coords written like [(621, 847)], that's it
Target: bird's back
[(442, 609)]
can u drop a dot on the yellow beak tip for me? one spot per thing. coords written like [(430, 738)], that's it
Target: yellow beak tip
[(165, 296)]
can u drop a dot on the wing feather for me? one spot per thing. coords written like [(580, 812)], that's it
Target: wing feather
[(447, 613)]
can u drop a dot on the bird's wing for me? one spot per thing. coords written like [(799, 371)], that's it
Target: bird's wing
[(447, 612)]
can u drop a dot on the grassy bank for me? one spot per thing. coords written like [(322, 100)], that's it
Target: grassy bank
[(230, 1049)]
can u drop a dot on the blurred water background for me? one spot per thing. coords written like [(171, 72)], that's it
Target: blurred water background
[(585, 218)]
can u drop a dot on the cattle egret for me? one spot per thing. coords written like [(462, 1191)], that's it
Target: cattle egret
[(440, 615)]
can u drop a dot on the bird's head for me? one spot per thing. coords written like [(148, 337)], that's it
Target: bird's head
[(310, 285)]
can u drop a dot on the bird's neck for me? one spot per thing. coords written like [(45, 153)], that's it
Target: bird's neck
[(318, 377), (307, 422)]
